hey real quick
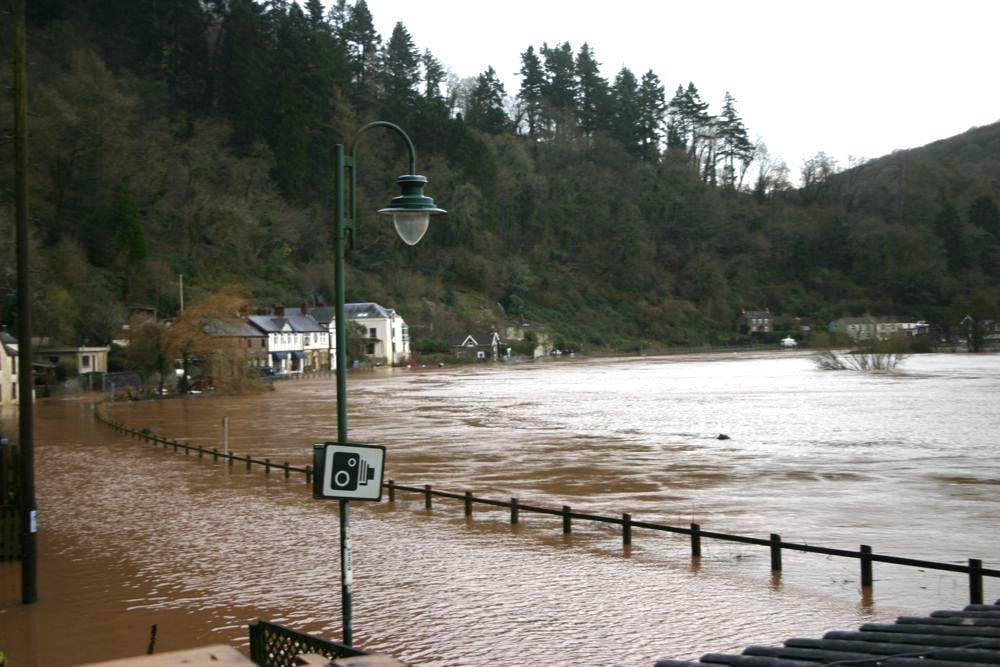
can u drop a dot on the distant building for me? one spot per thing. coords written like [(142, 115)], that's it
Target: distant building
[(8, 369), (486, 346), (387, 338), (757, 321), (878, 328), (244, 342), (79, 360)]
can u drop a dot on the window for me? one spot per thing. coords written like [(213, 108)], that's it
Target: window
[(371, 348), (85, 361), (372, 333)]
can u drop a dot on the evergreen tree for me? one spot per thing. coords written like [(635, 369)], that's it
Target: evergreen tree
[(484, 107), (627, 115), (652, 108), (592, 93), (983, 213), (532, 93), (735, 150), (560, 83), (400, 75), (243, 66), (362, 44)]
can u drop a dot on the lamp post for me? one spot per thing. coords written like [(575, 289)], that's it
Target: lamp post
[(410, 213)]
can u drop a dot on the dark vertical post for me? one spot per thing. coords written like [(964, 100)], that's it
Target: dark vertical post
[(392, 491), (514, 518), (468, 503), (346, 572), (775, 552), (626, 529), (215, 454), (695, 541), (249, 459), (267, 466), (308, 474), (567, 521), (427, 496), (975, 581), (25, 382), (286, 470), (866, 566), (339, 234)]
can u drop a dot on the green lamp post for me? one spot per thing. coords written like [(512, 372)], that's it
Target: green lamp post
[(410, 212)]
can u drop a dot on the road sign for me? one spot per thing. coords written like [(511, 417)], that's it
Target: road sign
[(348, 471)]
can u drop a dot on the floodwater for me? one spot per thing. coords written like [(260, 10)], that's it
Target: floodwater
[(132, 535)]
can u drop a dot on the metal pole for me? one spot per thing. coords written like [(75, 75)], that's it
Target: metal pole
[(28, 509), (181, 276), (346, 573), (225, 436)]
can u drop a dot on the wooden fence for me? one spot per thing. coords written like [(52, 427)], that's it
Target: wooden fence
[(866, 557)]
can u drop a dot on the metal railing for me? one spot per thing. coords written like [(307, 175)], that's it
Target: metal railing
[(275, 645), (974, 569)]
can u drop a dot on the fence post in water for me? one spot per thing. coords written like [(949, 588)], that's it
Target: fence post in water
[(286, 469), (215, 454), (200, 452), (513, 512), (392, 491), (230, 457), (427, 496), (567, 521), (775, 552), (626, 529), (267, 466), (309, 474), (695, 541), (468, 503), (866, 566), (975, 581)]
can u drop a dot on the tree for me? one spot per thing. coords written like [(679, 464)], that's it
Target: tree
[(626, 119), (146, 351), (592, 93), (484, 107), (242, 70), (400, 75), (532, 93), (735, 150), (193, 341), (362, 42), (560, 84), (652, 110)]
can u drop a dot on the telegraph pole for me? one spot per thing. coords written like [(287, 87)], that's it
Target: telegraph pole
[(25, 381)]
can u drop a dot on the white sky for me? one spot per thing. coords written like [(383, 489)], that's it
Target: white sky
[(848, 77)]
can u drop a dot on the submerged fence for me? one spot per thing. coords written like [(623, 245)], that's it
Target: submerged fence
[(276, 645), (974, 569)]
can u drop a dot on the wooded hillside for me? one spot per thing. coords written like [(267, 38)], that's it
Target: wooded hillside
[(178, 137)]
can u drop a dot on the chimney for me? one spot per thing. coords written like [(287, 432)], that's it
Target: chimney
[(279, 311), (304, 307)]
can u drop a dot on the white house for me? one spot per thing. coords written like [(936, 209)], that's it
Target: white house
[(8, 369), (285, 345), (315, 339), (83, 360), (387, 338), (324, 316), (878, 328)]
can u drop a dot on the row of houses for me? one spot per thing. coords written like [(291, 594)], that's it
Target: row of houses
[(856, 328), (305, 339)]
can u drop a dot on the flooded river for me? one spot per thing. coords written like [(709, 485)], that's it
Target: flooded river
[(132, 536)]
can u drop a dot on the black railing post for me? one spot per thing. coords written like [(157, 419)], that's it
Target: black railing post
[(514, 518), (695, 541), (267, 466), (775, 552), (215, 454), (975, 581), (468, 503), (567, 520), (286, 470), (427, 496), (392, 491), (308, 474), (626, 529), (866, 566), (249, 459)]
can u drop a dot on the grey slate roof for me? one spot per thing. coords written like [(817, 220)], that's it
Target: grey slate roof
[(303, 323), (7, 338), (266, 323), (231, 328), (966, 638), (357, 310)]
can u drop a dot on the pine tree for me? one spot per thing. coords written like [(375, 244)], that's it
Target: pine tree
[(362, 43), (652, 108), (484, 108), (243, 64), (592, 93), (400, 75), (626, 120), (532, 93), (560, 83), (735, 150)]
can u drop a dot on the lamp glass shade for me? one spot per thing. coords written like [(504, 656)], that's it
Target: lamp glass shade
[(411, 225)]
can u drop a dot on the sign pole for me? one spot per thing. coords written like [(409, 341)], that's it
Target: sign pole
[(346, 571)]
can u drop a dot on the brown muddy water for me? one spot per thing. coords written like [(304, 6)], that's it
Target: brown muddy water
[(132, 536)]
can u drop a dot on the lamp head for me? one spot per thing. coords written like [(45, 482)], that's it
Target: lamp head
[(411, 211)]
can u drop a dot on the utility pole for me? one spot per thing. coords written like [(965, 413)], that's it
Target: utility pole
[(25, 381), (182, 292)]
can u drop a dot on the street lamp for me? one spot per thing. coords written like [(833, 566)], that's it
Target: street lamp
[(410, 213)]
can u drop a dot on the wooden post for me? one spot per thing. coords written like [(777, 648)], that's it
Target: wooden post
[(695, 541), (392, 491), (775, 552), (308, 474), (468, 503), (230, 457), (975, 581), (866, 566), (567, 521), (626, 529), (248, 461), (267, 466), (513, 512), (427, 496), (215, 454), (286, 470)]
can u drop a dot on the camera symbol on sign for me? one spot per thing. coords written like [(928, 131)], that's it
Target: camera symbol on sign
[(350, 471)]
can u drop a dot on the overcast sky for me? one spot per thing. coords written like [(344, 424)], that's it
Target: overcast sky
[(852, 78)]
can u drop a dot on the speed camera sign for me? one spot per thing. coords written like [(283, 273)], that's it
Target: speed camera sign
[(348, 471)]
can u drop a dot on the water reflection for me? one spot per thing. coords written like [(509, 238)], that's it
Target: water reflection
[(134, 535)]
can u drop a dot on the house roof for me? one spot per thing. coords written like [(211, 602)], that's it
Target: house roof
[(7, 338), (266, 323), (303, 323), (480, 339), (756, 313), (323, 314), (359, 310), (231, 329)]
